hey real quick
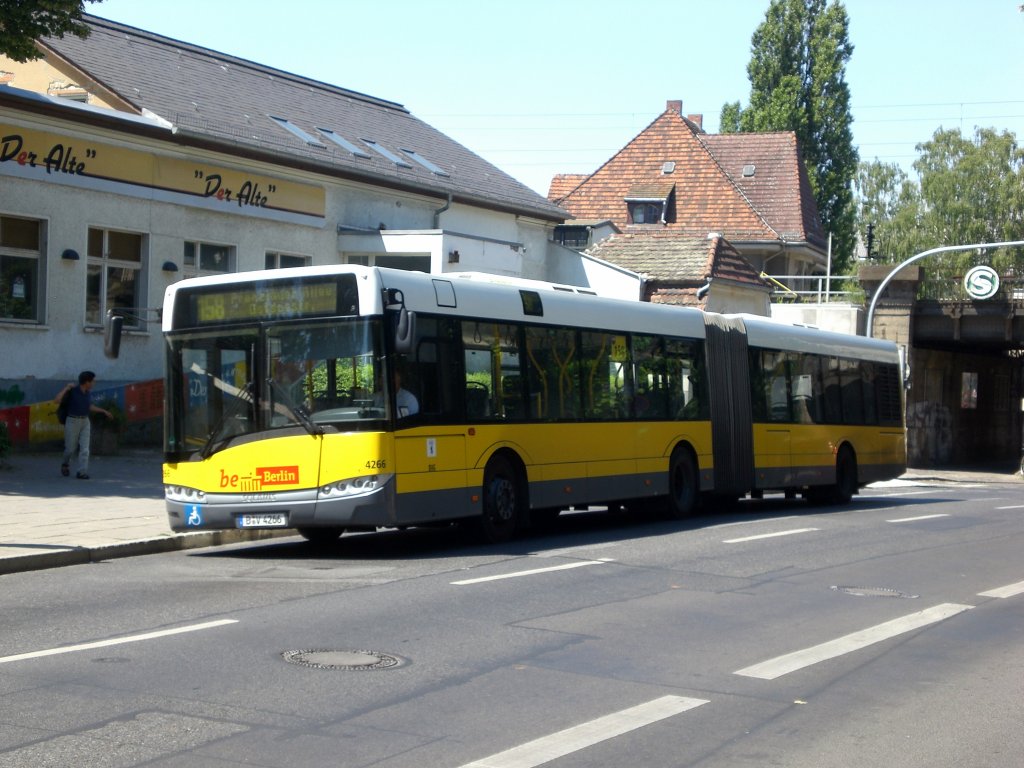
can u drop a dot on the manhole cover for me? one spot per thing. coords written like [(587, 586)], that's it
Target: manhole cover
[(347, 660), (874, 592)]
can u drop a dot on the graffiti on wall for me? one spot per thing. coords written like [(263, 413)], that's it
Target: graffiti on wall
[(37, 422)]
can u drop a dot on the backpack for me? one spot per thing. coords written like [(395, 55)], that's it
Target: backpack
[(62, 409)]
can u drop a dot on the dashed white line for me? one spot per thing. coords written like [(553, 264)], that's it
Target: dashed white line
[(587, 734), (769, 535), (531, 572), (117, 641), (915, 519), (791, 662), (1015, 506), (1010, 590)]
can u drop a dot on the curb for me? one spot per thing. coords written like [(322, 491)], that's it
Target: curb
[(171, 543)]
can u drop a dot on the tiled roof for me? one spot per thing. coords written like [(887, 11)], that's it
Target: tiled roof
[(228, 101), (767, 169), (563, 184), (711, 193), (668, 257)]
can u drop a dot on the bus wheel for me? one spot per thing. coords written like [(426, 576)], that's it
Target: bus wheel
[(321, 536), (502, 501), (846, 476), (683, 484)]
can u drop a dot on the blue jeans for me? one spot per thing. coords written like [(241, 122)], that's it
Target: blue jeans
[(77, 433)]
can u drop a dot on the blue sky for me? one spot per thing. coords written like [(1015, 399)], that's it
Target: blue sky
[(539, 87)]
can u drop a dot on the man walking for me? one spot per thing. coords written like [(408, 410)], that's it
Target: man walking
[(77, 428)]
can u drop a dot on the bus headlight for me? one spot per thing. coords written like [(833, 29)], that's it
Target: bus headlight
[(351, 486), (183, 494)]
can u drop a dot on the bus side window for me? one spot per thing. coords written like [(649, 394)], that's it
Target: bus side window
[(687, 379), (852, 392), (769, 379), (491, 358), (867, 378), (434, 371), (553, 372), (604, 359), (833, 393), (808, 397), (649, 400)]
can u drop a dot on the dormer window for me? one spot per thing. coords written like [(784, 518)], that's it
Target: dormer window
[(651, 203), (645, 213)]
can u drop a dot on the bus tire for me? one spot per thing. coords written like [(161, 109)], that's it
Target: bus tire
[(846, 476), (502, 501), (321, 536), (683, 484)]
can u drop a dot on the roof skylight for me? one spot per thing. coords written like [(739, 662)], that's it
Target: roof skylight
[(296, 131), (342, 142), (386, 153), (434, 169)]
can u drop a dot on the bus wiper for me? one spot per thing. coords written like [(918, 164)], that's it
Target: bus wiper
[(242, 397), (297, 411)]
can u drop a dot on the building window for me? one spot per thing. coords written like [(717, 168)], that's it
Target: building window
[(572, 236), (207, 259), (113, 274), (284, 260), (645, 213), (21, 269), (968, 390)]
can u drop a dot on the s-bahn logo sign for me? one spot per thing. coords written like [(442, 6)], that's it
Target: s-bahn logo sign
[(981, 282)]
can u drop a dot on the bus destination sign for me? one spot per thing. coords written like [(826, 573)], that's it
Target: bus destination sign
[(296, 299)]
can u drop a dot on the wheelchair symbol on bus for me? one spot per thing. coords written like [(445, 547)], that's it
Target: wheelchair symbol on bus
[(195, 516)]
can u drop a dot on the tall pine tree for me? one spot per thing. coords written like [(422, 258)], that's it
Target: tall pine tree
[(797, 75)]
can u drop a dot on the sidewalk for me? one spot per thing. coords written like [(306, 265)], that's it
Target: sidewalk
[(48, 521)]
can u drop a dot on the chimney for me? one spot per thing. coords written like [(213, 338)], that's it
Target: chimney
[(697, 120), (674, 106)]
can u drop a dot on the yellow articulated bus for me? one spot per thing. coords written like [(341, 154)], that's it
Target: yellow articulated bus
[(328, 399)]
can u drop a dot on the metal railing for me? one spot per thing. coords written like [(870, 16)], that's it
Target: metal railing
[(816, 289), (951, 288)]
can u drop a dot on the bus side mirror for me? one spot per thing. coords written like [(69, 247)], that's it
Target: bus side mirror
[(405, 331), (112, 334)]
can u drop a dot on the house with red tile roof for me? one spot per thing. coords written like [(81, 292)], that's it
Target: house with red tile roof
[(747, 194)]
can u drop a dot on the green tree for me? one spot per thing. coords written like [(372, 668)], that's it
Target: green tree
[(891, 201), (969, 190), (797, 75), (22, 22)]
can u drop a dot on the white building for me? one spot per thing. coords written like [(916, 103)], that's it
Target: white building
[(130, 160)]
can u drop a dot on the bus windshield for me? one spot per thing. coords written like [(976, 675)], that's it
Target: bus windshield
[(231, 384)]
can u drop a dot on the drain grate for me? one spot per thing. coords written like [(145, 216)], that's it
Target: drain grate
[(343, 660), (874, 592)]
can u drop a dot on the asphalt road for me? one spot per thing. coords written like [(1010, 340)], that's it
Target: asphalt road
[(779, 634)]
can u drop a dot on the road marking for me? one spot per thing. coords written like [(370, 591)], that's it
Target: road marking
[(587, 734), (915, 519), (769, 535), (791, 662), (750, 522), (532, 572), (571, 551), (1015, 506), (117, 641), (1010, 590), (895, 495)]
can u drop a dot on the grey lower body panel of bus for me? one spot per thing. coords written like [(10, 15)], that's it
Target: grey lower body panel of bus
[(301, 509), (797, 477)]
